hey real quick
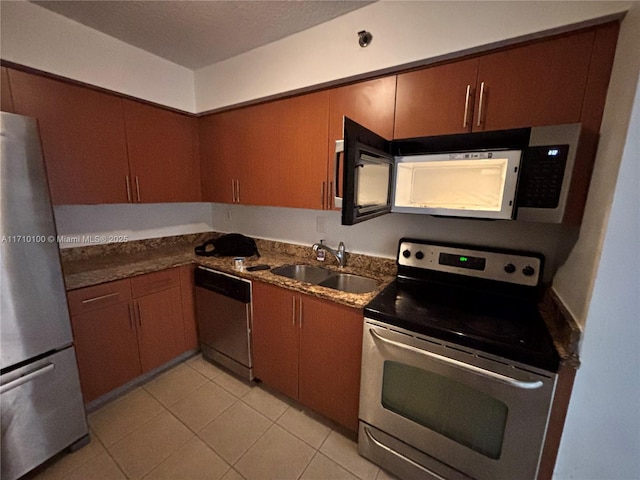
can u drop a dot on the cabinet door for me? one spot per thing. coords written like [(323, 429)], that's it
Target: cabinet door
[(83, 138), (107, 349), (160, 327), (436, 100), (330, 358), (296, 155), (187, 291), (371, 104), (538, 84), (274, 338), (222, 143), (6, 100), (163, 156)]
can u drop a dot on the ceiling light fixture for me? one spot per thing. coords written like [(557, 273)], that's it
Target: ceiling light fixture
[(364, 38)]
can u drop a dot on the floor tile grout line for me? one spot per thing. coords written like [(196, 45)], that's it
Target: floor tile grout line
[(170, 453), (136, 429), (308, 464)]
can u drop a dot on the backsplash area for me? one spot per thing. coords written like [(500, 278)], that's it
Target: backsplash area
[(378, 237)]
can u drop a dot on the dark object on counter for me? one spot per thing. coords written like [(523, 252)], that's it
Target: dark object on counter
[(229, 245), (258, 267)]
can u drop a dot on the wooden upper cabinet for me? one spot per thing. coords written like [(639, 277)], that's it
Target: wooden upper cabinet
[(542, 83), (218, 135), (83, 138), (371, 104), (6, 100), (163, 154), (234, 158), (267, 154), (295, 160), (436, 101)]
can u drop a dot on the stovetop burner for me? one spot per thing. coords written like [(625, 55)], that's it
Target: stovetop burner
[(485, 315)]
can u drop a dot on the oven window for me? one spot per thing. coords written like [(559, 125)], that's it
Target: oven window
[(457, 411)]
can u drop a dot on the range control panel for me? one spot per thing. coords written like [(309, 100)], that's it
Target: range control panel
[(504, 266)]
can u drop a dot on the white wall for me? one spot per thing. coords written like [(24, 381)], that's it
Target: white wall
[(574, 282), (39, 38), (135, 222), (403, 32), (601, 439)]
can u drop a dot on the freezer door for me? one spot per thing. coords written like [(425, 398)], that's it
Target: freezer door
[(34, 313), (42, 412)]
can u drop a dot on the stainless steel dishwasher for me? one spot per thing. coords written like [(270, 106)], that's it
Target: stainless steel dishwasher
[(223, 309)]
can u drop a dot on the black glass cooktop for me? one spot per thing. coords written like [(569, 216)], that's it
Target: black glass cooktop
[(495, 323)]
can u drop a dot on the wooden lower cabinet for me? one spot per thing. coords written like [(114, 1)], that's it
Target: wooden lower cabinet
[(107, 349), (309, 349), (125, 328), (160, 327)]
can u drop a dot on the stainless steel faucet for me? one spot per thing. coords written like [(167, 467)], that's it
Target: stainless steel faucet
[(340, 253)]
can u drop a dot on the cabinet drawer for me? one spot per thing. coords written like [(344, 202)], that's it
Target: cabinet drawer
[(92, 298), (155, 282)]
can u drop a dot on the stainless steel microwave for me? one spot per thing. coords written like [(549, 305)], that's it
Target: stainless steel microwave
[(521, 174)]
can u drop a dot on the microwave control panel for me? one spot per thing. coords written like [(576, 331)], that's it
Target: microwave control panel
[(542, 173)]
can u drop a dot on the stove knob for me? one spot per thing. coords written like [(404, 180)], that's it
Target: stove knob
[(419, 255), (528, 271), (509, 268), (406, 254)]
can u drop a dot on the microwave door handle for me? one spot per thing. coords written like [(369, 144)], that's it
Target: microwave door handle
[(337, 199), (464, 366)]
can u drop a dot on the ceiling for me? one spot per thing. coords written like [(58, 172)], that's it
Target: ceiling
[(195, 34)]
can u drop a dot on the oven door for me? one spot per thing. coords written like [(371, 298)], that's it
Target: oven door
[(480, 417)]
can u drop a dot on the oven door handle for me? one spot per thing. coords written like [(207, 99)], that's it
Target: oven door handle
[(381, 445), (464, 366)]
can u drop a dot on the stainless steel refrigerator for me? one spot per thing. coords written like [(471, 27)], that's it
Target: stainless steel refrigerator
[(42, 410)]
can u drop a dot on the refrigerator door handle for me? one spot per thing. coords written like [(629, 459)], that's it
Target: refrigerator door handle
[(27, 378)]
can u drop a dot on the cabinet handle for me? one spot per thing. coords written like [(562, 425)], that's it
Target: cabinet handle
[(131, 325), (480, 104), (101, 297), (329, 195), (466, 107), (138, 188), (293, 312), (300, 317), (126, 179), (237, 191), (139, 314)]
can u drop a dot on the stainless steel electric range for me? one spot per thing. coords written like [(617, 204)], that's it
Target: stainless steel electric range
[(458, 368)]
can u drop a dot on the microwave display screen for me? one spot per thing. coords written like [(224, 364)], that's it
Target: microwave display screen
[(462, 261)]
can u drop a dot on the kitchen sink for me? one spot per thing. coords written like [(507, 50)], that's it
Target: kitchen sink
[(323, 277), (303, 273), (350, 283)]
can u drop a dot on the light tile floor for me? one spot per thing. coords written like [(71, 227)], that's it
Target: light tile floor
[(196, 421)]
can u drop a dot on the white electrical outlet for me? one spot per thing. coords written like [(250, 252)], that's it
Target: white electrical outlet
[(320, 224)]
